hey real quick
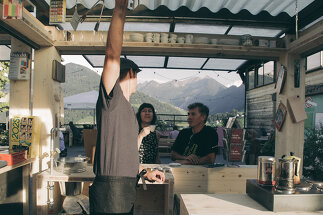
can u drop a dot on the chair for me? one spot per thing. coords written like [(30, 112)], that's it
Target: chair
[(164, 146), (90, 136)]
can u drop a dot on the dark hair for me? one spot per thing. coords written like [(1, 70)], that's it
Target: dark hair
[(203, 109), (175, 127), (146, 105), (125, 67)]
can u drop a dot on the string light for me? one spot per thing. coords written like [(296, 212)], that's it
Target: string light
[(192, 76)]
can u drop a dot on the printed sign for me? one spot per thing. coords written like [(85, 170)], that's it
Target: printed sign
[(12, 9), (25, 134), (19, 66), (57, 11)]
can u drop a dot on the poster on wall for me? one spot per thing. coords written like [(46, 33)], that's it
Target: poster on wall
[(57, 11), (280, 116), (12, 9), (19, 66), (281, 79)]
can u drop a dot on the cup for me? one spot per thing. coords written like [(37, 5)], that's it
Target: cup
[(152, 128), (148, 39), (164, 39), (156, 37), (149, 34), (180, 39), (172, 40), (188, 38), (173, 36), (164, 35)]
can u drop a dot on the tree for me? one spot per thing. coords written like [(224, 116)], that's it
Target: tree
[(4, 71)]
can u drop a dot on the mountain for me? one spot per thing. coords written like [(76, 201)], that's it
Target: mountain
[(79, 79), (216, 96)]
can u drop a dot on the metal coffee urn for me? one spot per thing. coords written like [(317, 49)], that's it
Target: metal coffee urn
[(266, 170), (285, 176)]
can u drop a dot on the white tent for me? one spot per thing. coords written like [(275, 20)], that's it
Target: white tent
[(81, 101)]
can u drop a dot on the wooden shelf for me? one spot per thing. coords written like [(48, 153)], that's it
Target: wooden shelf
[(15, 166)]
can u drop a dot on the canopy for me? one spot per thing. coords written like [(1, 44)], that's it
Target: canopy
[(82, 101)]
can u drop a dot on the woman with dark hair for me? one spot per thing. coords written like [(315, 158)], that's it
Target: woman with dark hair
[(148, 149)]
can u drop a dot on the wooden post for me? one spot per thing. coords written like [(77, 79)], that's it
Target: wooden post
[(47, 104), (47, 99), (291, 137)]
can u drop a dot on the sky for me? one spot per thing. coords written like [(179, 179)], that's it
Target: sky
[(165, 75)]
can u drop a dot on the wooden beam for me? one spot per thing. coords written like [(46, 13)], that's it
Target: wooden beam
[(309, 42), (28, 29), (90, 42)]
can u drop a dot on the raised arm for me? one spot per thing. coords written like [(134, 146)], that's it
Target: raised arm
[(111, 69)]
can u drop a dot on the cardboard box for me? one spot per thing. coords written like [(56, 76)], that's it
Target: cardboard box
[(296, 108)]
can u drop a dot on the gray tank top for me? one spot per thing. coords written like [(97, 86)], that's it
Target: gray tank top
[(116, 148)]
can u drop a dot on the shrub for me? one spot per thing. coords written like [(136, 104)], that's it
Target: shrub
[(313, 153)]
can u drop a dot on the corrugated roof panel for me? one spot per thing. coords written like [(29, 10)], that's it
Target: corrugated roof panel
[(274, 7)]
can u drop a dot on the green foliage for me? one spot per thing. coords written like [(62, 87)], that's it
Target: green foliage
[(4, 71), (4, 138), (313, 153), (221, 119)]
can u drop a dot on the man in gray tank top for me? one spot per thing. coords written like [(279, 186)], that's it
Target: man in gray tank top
[(116, 161)]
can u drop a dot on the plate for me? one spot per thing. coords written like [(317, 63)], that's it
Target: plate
[(174, 164)]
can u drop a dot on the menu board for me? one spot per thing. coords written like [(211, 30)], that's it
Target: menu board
[(236, 136), (19, 66), (24, 133), (57, 11), (235, 152), (12, 9), (236, 144)]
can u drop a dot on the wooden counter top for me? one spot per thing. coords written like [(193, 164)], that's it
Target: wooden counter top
[(15, 166), (229, 204), (88, 175)]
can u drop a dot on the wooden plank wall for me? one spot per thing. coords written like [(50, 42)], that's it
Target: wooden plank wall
[(314, 78), (260, 108)]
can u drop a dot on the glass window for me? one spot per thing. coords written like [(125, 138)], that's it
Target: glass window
[(260, 76), (251, 79), (146, 26), (223, 64), (313, 61), (260, 32), (200, 28), (186, 62), (269, 72)]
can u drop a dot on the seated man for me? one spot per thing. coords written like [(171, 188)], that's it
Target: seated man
[(198, 143)]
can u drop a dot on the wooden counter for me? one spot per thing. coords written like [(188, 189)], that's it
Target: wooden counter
[(229, 204), (14, 187), (200, 179), (157, 199)]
